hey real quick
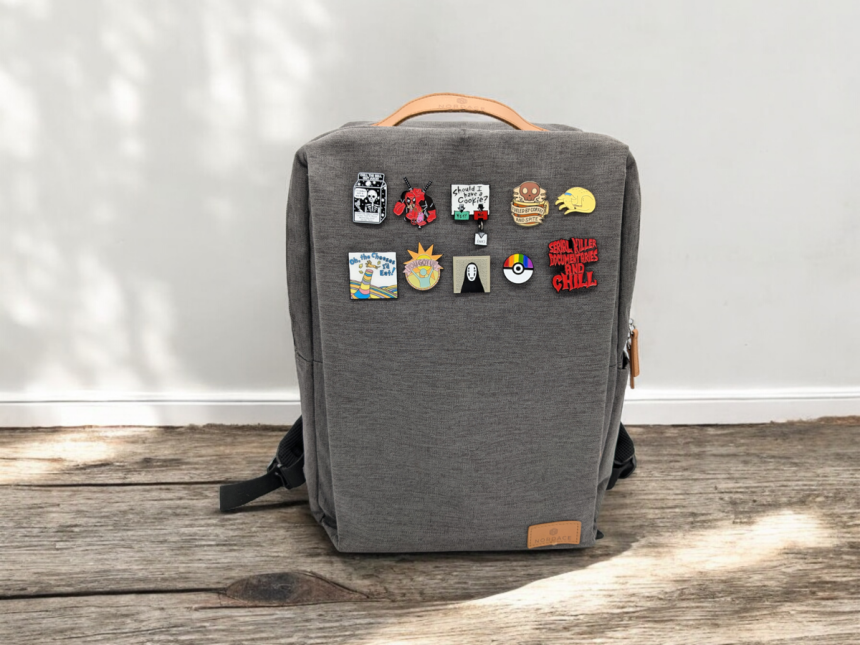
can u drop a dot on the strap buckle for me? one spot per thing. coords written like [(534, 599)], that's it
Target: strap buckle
[(291, 476), (278, 474), (621, 470), (625, 468)]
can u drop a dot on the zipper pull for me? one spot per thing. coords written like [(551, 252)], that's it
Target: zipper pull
[(633, 353)]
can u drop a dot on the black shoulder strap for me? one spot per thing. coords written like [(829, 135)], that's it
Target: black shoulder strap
[(625, 458), (286, 469)]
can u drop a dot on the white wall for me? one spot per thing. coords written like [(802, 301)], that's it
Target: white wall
[(145, 149)]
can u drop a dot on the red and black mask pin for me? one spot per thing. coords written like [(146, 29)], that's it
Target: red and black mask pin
[(417, 205)]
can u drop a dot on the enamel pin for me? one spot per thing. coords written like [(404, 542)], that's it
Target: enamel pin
[(472, 201), (576, 200), (529, 206), (372, 276), (572, 255), (368, 198), (423, 271), (518, 268), (472, 274), (416, 204)]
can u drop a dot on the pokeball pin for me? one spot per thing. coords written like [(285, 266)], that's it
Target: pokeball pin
[(518, 268)]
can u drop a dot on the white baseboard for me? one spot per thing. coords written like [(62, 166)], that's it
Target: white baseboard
[(642, 407), (144, 409), (714, 407)]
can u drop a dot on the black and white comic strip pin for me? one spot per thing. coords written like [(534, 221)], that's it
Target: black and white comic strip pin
[(368, 198)]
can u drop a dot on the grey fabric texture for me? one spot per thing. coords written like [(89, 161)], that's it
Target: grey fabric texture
[(445, 422)]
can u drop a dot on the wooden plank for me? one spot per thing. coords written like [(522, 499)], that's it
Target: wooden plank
[(678, 618), (137, 538), (731, 534), (127, 455)]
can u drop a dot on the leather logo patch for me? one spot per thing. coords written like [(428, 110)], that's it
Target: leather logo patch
[(554, 533)]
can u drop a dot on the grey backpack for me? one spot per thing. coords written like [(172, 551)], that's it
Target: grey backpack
[(460, 297)]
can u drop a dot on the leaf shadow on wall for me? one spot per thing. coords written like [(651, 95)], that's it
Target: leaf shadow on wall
[(145, 153)]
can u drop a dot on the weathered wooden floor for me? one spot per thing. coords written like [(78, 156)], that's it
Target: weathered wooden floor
[(725, 535)]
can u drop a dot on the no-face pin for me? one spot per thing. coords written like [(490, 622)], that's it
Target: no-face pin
[(472, 274)]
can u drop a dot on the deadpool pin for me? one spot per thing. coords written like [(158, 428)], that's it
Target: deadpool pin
[(416, 204)]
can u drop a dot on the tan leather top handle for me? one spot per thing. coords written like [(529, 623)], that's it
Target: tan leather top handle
[(458, 103)]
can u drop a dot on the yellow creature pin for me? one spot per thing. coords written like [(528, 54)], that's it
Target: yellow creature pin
[(576, 200)]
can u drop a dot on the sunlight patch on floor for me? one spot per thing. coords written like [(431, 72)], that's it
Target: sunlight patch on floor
[(672, 563), (35, 460), (720, 550)]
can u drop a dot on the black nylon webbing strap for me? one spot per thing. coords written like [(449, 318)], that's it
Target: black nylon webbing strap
[(239, 494), (286, 469), (625, 458)]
